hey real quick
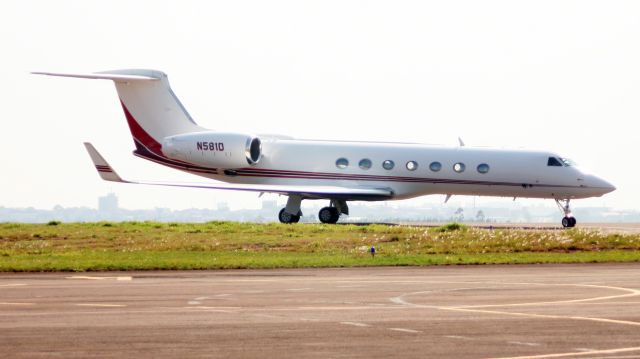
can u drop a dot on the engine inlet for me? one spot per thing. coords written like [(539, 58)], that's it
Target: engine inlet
[(253, 150)]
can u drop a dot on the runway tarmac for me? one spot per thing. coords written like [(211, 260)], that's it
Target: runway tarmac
[(523, 311)]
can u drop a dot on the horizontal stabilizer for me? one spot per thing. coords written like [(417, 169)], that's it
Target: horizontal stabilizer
[(102, 76)]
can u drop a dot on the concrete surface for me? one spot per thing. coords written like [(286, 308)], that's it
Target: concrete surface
[(535, 311)]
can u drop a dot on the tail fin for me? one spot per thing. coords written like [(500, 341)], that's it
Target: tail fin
[(152, 110)]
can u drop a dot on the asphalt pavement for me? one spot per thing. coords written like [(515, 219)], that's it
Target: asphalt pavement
[(533, 311)]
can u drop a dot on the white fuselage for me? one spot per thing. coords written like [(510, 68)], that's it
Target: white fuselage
[(511, 173)]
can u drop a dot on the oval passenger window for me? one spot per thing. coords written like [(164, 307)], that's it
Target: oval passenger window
[(412, 165), (342, 163)]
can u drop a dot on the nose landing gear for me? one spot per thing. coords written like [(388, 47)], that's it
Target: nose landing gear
[(569, 220), (286, 217)]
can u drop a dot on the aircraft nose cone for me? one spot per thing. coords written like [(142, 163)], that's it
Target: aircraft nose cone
[(610, 187), (603, 185)]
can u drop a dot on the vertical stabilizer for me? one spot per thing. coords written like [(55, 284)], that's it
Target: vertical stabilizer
[(152, 110)]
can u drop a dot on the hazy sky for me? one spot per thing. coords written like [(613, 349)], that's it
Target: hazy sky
[(557, 75)]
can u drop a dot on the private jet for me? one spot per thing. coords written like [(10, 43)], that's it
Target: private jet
[(337, 171)]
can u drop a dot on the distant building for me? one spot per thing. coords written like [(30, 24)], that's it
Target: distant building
[(108, 204)]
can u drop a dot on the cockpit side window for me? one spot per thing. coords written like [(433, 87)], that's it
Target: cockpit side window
[(552, 161)]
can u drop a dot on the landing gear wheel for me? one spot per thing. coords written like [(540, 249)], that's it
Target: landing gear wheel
[(287, 218), (329, 215), (569, 222)]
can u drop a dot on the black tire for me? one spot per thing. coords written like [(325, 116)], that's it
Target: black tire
[(328, 215), (566, 222), (324, 215), (336, 215), (287, 218), (572, 221)]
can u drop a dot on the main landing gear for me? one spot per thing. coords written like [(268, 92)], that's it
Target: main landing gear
[(569, 220), (287, 215), (332, 213), (329, 214)]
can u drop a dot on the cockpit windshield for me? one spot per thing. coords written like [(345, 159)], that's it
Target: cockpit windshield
[(560, 162), (567, 162), (554, 162)]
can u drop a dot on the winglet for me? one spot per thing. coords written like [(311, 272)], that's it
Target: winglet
[(104, 169)]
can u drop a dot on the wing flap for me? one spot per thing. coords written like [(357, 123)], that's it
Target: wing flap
[(304, 191)]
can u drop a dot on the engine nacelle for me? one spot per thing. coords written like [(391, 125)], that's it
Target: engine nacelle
[(214, 149)]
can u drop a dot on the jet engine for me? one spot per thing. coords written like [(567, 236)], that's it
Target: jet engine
[(214, 149)]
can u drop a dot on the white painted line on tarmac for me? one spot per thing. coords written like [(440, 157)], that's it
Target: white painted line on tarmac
[(547, 316), (124, 278), (159, 310), (400, 299), (15, 303), (390, 281), (363, 307), (477, 309), (561, 355), (605, 320), (630, 293), (458, 337), (199, 300), (355, 324), (210, 309), (309, 320), (405, 330), (297, 289), (525, 343), (219, 308), (13, 285), (266, 316), (606, 303), (100, 305)]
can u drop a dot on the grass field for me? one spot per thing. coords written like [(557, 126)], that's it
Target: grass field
[(151, 245)]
